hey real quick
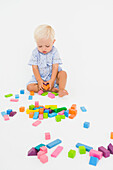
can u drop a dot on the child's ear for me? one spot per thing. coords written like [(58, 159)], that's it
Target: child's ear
[(54, 41)]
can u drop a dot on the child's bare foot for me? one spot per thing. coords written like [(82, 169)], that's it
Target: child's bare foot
[(62, 92), (54, 90)]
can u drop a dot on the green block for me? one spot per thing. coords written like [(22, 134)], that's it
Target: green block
[(31, 107), (45, 115), (60, 109), (39, 146), (82, 150), (8, 95), (58, 118), (71, 153), (56, 94), (44, 94), (52, 108), (62, 116)]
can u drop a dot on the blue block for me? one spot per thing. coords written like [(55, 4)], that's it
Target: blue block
[(52, 114), (66, 113), (86, 125), (54, 143), (30, 97), (88, 148), (46, 111), (93, 160), (83, 109), (39, 107), (9, 111), (39, 146), (35, 108), (36, 114), (16, 96), (21, 91), (3, 113)]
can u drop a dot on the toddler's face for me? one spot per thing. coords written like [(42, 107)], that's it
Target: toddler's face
[(45, 45)]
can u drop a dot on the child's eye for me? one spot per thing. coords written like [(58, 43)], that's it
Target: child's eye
[(39, 46), (47, 46)]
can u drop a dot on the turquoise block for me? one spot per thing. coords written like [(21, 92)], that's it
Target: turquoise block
[(66, 113), (52, 115), (36, 114), (3, 113), (54, 143), (88, 148), (83, 109), (93, 161), (86, 125), (39, 146), (46, 111), (30, 97)]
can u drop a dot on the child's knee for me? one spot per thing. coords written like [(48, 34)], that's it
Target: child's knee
[(63, 73), (29, 87)]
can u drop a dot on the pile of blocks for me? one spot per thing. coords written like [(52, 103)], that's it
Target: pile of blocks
[(8, 113)]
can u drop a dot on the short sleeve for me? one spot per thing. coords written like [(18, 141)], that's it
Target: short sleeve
[(56, 57), (34, 58)]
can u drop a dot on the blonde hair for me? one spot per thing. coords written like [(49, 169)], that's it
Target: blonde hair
[(44, 31)]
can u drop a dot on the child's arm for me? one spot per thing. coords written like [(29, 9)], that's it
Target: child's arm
[(37, 76)]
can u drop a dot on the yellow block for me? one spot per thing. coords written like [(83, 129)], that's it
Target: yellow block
[(48, 106), (33, 111)]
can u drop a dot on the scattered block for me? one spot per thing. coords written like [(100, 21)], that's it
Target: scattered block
[(45, 115), (66, 113), (21, 91), (52, 114), (73, 106), (40, 92), (6, 117), (88, 148), (22, 109), (83, 109), (61, 113), (106, 153), (39, 146), (16, 96), (60, 109), (31, 114), (72, 116), (56, 94), (71, 153), (12, 114), (51, 95), (58, 118), (47, 136), (54, 143), (31, 93), (86, 125), (46, 86), (93, 160), (32, 152), (110, 148), (44, 149), (30, 97), (44, 159), (95, 153), (82, 150), (3, 113), (44, 93), (9, 111), (36, 123), (8, 95), (111, 135), (14, 100), (57, 151), (40, 153), (73, 112), (35, 116), (40, 116), (62, 116)]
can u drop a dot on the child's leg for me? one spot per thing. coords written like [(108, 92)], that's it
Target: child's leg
[(33, 87)]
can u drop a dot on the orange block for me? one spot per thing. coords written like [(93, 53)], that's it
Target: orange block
[(31, 114), (41, 110), (46, 87), (32, 93), (22, 109), (72, 116), (111, 135), (73, 106), (73, 111)]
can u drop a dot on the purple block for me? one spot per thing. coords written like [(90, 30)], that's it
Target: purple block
[(110, 148), (50, 111), (12, 114), (106, 153), (32, 152)]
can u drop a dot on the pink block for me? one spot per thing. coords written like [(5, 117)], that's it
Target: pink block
[(95, 153), (6, 117), (40, 116), (44, 159), (36, 123), (47, 136), (61, 113), (36, 103), (40, 92), (57, 151), (40, 153), (14, 100), (44, 149), (51, 95)]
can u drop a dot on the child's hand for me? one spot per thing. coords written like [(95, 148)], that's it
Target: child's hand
[(51, 84), (40, 84)]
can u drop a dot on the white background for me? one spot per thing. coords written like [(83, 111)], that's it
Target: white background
[(84, 38)]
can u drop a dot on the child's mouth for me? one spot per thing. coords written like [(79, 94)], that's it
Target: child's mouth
[(44, 51)]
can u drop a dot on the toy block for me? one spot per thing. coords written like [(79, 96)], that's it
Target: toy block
[(66, 113), (27, 111), (56, 94), (61, 113), (36, 123), (111, 135), (62, 116), (47, 106), (31, 107), (39, 146), (93, 160), (31, 93), (12, 114), (58, 118), (8, 95), (44, 94), (88, 148), (9, 111), (71, 153), (46, 84), (110, 148), (73, 106), (47, 136), (54, 143), (41, 110), (46, 87), (40, 92), (50, 111), (72, 116), (40, 153), (52, 115), (86, 125), (95, 153), (83, 109), (73, 111), (46, 111), (16, 96), (6, 117), (60, 109), (3, 113), (45, 115), (55, 106), (40, 116), (31, 114), (32, 152), (30, 97), (44, 149), (36, 114), (106, 153), (57, 151), (36, 103), (14, 100), (21, 91), (82, 150), (22, 109), (52, 108), (51, 95), (44, 159)]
